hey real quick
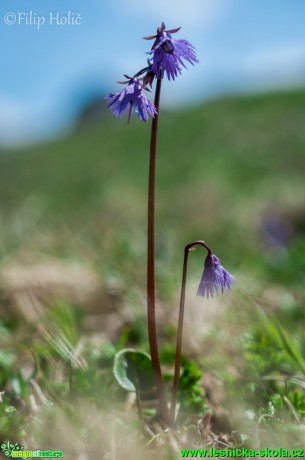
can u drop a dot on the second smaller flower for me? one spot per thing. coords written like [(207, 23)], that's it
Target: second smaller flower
[(214, 277)]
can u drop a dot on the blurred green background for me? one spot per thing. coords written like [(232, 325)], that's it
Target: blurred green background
[(230, 172)]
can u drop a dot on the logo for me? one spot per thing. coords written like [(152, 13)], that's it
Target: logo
[(9, 448), (15, 450)]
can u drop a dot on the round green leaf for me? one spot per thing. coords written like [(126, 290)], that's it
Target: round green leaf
[(133, 370)]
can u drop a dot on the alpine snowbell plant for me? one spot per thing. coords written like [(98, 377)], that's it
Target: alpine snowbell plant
[(167, 57)]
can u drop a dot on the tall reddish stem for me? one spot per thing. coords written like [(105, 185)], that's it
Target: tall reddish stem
[(151, 296)]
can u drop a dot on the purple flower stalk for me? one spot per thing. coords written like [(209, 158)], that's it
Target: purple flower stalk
[(168, 53), (131, 97), (214, 277)]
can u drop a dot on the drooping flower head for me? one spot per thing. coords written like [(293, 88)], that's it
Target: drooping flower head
[(133, 98), (169, 53), (214, 277)]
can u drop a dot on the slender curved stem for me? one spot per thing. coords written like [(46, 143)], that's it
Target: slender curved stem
[(151, 298), (180, 328)]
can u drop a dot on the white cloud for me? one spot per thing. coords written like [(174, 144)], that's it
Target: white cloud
[(23, 122), (278, 65), (14, 122)]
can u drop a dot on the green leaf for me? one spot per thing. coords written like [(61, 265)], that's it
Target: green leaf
[(133, 370), (297, 381), (291, 348)]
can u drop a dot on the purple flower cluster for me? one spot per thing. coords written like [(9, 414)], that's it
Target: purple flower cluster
[(168, 56), (131, 97), (168, 53), (214, 278)]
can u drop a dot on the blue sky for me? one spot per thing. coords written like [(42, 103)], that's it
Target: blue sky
[(243, 45)]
